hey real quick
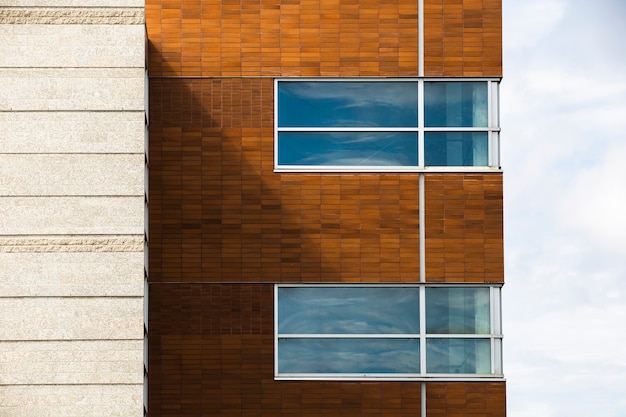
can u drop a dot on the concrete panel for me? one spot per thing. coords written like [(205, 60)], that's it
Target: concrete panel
[(71, 89), (75, 362), (71, 401), (71, 274), (72, 45), (71, 318), (71, 175), (63, 132), (71, 215), (74, 3)]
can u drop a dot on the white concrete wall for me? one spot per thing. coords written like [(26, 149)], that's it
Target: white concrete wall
[(71, 207)]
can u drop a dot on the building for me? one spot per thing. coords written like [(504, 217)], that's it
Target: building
[(318, 170), (324, 208)]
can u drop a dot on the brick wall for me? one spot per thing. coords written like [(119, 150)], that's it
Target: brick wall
[(323, 38), (212, 354), (464, 240), (463, 38), (224, 226)]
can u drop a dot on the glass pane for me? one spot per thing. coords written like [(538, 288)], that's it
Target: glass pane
[(458, 356), (348, 356), (457, 310), (456, 149), (455, 104), (333, 310), (348, 148), (347, 104)]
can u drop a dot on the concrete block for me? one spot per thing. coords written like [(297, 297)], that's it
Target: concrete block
[(71, 89), (72, 362), (71, 274), (72, 45), (71, 400), (71, 215), (71, 175), (72, 132), (30, 319)]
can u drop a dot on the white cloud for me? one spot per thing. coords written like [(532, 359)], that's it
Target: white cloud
[(570, 87), (609, 118), (596, 202), (564, 154), (533, 20)]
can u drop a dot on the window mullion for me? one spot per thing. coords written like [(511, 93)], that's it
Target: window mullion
[(420, 124), (422, 330)]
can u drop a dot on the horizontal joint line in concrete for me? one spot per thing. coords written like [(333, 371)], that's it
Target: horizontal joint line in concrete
[(73, 235), (23, 297), (73, 7), (69, 67), (70, 195), (71, 111), (68, 340), (74, 384), (72, 153)]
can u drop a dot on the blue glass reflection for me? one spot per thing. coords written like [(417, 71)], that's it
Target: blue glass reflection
[(458, 356), (457, 310), (363, 356), (347, 104), (456, 149), (347, 148), (455, 104), (340, 310)]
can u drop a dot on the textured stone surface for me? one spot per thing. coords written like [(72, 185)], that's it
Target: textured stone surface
[(29, 319), (72, 136), (71, 244), (74, 3), (71, 274), (72, 45), (79, 175), (71, 400), (72, 132), (71, 89), (71, 215), (72, 362), (64, 16)]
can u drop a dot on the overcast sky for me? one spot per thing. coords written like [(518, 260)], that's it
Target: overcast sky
[(564, 159)]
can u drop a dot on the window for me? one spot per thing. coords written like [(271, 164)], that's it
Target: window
[(387, 331), (385, 124)]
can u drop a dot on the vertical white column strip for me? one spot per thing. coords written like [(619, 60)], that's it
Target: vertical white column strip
[(422, 225), (422, 330), (275, 330), (422, 244), (275, 123), (420, 124), (420, 38)]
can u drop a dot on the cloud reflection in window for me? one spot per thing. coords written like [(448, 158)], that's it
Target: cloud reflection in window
[(349, 356), (347, 104), (328, 310), (348, 148)]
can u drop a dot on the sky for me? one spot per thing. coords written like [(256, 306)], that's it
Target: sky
[(563, 109)]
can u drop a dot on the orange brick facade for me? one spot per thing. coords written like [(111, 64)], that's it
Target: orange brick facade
[(323, 38), (224, 226)]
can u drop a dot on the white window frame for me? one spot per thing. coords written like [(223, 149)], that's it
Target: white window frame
[(492, 129), (495, 337)]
